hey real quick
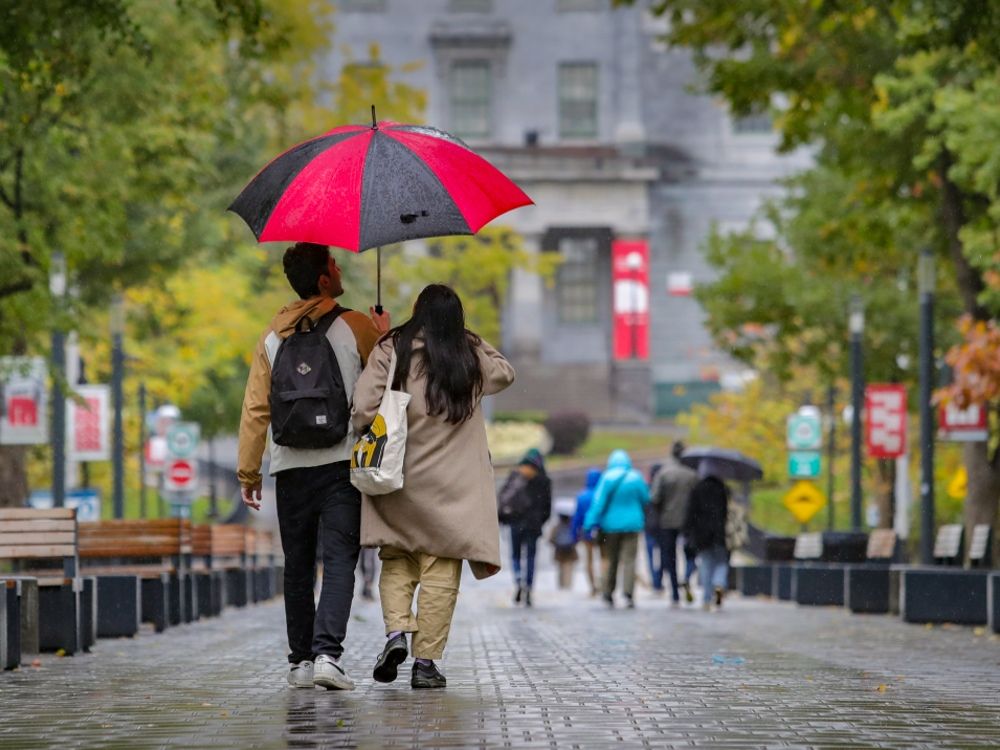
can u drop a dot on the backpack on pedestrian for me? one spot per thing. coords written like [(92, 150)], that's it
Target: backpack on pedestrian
[(309, 404), (513, 500)]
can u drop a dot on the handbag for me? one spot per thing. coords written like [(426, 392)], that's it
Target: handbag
[(377, 457)]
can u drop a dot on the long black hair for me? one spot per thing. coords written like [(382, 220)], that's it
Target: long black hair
[(449, 362)]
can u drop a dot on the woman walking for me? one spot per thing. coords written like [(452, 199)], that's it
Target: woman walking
[(618, 511), (446, 511)]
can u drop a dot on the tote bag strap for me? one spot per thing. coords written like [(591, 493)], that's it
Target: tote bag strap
[(392, 370)]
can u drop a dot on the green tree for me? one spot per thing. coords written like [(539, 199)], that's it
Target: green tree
[(893, 99), (477, 267), (127, 124)]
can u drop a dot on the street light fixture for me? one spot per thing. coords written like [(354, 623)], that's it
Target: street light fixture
[(117, 320), (856, 326), (57, 286), (926, 282)]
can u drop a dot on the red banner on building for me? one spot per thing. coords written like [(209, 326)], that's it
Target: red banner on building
[(630, 282), (885, 420)]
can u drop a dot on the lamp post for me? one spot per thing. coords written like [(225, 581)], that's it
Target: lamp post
[(117, 433), (925, 276), (831, 398), (57, 286), (856, 325)]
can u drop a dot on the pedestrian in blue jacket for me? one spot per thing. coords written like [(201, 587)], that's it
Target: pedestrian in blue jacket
[(591, 544), (618, 511)]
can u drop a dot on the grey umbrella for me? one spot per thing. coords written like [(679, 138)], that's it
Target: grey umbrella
[(723, 463)]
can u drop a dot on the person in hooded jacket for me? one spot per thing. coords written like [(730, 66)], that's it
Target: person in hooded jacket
[(591, 543), (705, 530), (618, 510), (527, 527)]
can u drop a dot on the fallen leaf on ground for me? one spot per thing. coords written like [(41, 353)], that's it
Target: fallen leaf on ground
[(882, 688)]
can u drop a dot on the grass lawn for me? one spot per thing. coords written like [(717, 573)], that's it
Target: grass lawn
[(600, 443)]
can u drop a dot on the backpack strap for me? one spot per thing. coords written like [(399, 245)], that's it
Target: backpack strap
[(322, 325)]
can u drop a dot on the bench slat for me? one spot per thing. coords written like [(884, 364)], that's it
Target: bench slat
[(48, 537), (40, 550), (13, 514), (37, 524)]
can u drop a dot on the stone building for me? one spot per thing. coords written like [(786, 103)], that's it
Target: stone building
[(589, 112)]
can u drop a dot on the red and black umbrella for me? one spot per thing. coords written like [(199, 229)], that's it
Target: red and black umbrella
[(358, 187)]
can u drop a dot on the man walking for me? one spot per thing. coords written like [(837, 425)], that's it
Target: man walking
[(298, 399), (671, 494)]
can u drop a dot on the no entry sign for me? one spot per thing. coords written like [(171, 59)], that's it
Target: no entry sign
[(181, 475)]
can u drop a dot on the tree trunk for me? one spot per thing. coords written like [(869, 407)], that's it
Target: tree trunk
[(885, 491), (13, 476), (983, 497), (984, 479)]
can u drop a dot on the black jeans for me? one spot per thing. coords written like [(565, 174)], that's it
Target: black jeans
[(668, 549), (309, 500)]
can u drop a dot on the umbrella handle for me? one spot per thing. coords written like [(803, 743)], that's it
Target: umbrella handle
[(378, 273)]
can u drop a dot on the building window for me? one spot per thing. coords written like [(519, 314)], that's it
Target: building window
[(577, 280), (759, 123), (363, 6), (577, 100), (470, 98), (565, 6), (470, 6)]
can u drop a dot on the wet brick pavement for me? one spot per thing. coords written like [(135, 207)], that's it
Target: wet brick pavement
[(567, 674)]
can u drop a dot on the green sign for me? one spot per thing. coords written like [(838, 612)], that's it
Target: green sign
[(804, 432), (182, 439), (804, 464)]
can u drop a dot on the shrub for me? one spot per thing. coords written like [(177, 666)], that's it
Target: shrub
[(526, 415), (568, 430)]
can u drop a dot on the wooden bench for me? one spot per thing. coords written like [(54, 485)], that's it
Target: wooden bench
[(65, 601), (218, 552), (142, 568), (979, 546), (868, 586), (260, 556), (948, 544)]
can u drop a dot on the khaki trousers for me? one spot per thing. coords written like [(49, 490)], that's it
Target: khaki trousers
[(621, 547), (438, 578)]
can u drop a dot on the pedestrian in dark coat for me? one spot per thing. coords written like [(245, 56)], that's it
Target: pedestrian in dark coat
[(526, 528), (705, 530)]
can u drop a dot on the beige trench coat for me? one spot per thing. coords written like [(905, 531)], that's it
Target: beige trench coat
[(447, 506)]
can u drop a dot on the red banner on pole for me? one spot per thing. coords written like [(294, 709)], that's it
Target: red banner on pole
[(885, 420), (630, 281)]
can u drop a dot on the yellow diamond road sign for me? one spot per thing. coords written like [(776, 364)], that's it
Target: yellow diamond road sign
[(804, 500), (959, 484)]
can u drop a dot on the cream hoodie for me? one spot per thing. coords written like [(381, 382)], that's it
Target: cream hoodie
[(352, 336)]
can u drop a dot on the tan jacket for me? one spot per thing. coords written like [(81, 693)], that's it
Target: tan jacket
[(447, 507), (352, 337)]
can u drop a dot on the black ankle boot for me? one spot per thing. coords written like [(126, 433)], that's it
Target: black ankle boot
[(427, 676), (517, 595)]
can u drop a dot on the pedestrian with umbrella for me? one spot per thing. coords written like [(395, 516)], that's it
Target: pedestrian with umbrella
[(297, 397), (446, 510), (705, 530), (354, 187)]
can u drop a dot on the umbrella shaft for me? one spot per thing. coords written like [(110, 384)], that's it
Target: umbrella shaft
[(378, 275)]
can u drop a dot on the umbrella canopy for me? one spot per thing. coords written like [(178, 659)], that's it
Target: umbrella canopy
[(359, 187), (724, 463)]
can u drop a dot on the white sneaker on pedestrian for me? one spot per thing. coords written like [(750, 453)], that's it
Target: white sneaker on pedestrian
[(301, 675), (328, 673)]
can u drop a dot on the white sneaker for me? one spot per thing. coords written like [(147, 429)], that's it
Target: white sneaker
[(328, 673), (301, 675)]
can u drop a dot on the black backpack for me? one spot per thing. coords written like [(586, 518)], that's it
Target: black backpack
[(309, 405), (513, 500)]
